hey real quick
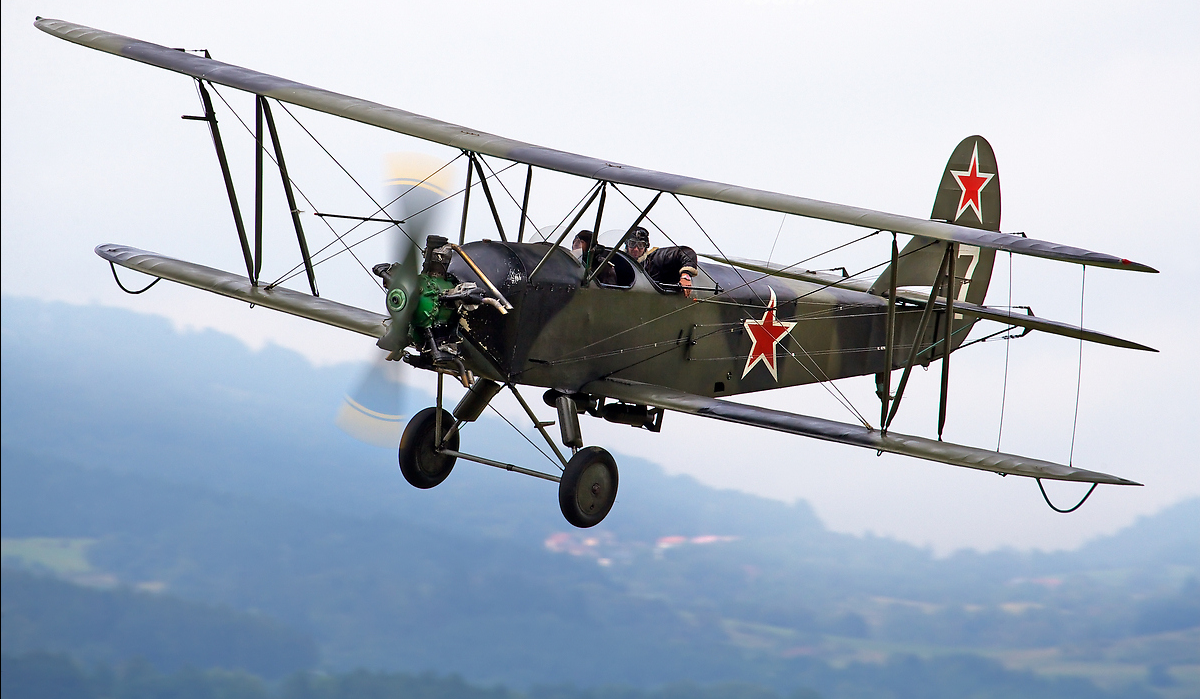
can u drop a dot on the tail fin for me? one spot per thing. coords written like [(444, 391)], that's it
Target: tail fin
[(969, 195)]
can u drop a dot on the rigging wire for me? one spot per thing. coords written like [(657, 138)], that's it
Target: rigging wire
[(1079, 374), (527, 439), (814, 291), (1007, 346), (824, 379), (776, 242), (294, 271), (741, 286), (272, 157), (386, 229), (582, 199), (745, 284), (496, 177)]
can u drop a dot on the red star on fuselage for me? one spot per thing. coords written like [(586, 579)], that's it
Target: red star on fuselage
[(765, 335), (972, 182)]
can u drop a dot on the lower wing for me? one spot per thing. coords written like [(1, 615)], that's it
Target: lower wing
[(843, 433), (238, 287)]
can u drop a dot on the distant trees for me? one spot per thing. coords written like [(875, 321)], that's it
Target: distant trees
[(42, 675), (109, 626)]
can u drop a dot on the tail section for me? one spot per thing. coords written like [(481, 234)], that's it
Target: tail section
[(969, 195)]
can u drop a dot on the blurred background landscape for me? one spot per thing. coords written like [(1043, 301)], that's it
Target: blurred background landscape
[(180, 511)]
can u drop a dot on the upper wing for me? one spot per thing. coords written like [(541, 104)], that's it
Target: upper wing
[(237, 287), (479, 142), (1006, 316), (843, 433)]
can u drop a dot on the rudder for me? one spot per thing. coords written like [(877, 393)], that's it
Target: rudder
[(968, 195)]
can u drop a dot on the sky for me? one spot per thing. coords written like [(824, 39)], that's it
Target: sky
[(1090, 107)]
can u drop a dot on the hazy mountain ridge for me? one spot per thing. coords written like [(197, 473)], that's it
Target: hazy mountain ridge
[(216, 470)]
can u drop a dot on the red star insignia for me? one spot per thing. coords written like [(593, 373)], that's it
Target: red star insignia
[(972, 182), (765, 335)]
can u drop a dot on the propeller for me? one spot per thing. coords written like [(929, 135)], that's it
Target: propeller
[(376, 411)]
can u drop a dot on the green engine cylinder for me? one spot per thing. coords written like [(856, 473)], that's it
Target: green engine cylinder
[(430, 311)]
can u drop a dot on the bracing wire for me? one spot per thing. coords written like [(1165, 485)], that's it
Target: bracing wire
[(527, 439), (771, 254), (496, 178), (826, 383), (1007, 346), (302, 194), (1079, 374), (296, 270), (744, 285), (823, 379)]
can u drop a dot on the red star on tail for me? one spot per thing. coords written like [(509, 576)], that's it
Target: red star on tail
[(972, 182), (765, 335)]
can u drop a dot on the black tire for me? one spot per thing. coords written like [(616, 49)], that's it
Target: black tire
[(421, 465), (588, 487)]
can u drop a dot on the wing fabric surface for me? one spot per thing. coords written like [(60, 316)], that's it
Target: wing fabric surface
[(1005, 316), (237, 287), (461, 137), (843, 433)]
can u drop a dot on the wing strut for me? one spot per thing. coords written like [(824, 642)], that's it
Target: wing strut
[(262, 113), (487, 192), (883, 382), (916, 346), (525, 205), (951, 292), (582, 211), (211, 117), (637, 222), (291, 196)]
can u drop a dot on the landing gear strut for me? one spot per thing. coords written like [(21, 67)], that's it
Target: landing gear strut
[(587, 488)]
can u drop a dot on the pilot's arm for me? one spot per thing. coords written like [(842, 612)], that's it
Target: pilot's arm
[(689, 266), (666, 265)]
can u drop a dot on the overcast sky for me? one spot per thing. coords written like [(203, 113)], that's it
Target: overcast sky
[(1091, 108)]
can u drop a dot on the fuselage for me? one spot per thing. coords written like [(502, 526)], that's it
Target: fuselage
[(561, 334)]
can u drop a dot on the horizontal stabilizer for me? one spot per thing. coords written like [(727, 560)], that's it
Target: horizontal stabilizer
[(466, 139), (844, 433), (234, 286), (1000, 315)]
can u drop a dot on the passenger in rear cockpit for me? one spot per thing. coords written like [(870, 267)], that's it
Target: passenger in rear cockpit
[(580, 247)]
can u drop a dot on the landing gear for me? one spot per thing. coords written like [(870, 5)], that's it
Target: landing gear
[(421, 462), (588, 487)]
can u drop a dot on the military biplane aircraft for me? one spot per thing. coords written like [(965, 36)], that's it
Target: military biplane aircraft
[(623, 346)]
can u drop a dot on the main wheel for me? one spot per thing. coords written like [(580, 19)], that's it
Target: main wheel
[(420, 463), (588, 487)]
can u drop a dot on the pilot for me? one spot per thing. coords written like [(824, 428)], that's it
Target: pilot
[(580, 246), (673, 265)]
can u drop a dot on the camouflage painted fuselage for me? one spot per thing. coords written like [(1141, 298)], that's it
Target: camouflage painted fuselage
[(563, 335)]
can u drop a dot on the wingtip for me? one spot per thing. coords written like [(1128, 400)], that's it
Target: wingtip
[(1137, 266)]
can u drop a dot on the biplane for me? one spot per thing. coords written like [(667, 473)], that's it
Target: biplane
[(622, 346)]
